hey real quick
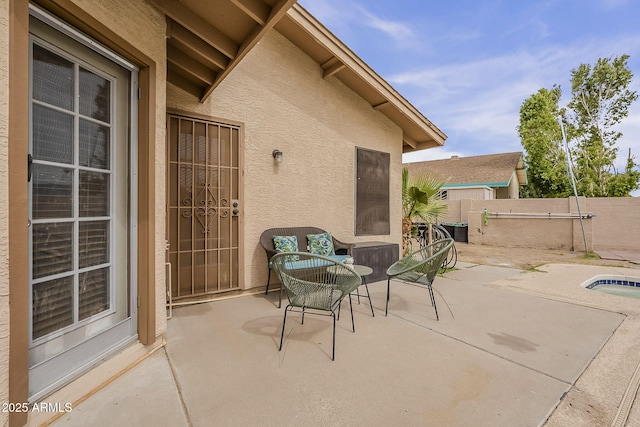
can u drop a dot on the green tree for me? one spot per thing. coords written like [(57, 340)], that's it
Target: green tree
[(541, 138), (420, 200), (600, 100)]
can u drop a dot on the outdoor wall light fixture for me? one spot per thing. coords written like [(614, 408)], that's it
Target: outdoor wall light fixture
[(277, 155)]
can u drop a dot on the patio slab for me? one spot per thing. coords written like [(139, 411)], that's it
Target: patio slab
[(544, 335), (143, 396), (498, 356)]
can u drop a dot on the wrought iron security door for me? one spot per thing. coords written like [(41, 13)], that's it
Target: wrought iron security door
[(203, 206)]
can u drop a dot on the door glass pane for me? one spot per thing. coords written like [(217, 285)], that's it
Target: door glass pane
[(93, 292), (52, 135), (52, 78), (52, 305), (93, 243), (94, 194), (52, 248), (52, 194), (94, 145), (95, 96)]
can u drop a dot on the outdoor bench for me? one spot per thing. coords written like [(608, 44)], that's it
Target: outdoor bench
[(341, 250)]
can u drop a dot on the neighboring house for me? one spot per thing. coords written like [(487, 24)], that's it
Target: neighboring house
[(492, 176), (136, 144)]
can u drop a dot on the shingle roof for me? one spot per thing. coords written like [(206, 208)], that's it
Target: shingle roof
[(492, 170)]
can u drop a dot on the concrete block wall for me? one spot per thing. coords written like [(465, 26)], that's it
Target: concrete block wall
[(614, 225)]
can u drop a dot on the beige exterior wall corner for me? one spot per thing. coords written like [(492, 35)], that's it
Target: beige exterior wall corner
[(280, 95), (136, 31), (4, 214), (15, 205)]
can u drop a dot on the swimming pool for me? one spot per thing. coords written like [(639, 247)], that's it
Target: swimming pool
[(625, 286)]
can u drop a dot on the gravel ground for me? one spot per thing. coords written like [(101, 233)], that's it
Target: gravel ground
[(525, 258)]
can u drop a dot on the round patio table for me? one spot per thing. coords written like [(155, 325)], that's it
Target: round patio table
[(364, 271)]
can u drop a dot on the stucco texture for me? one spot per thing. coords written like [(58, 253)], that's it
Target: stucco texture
[(613, 225), (280, 96)]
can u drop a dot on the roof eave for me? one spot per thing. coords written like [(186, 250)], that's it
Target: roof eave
[(478, 184), (419, 132)]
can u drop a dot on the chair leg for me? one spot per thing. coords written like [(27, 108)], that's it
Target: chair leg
[(353, 325), (368, 296), (386, 307), (284, 322), (433, 301), (267, 290), (333, 348), (268, 280)]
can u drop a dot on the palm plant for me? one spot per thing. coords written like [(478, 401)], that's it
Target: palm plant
[(421, 200)]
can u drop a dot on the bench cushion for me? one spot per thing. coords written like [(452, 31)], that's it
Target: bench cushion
[(292, 265)]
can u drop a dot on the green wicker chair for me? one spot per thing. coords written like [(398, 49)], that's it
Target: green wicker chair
[(316, 283), (266, 240), (420, 268)]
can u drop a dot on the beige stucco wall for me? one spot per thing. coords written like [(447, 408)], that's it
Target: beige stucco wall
[(279, 94), (617, 222), (615, 225), (4, 209)]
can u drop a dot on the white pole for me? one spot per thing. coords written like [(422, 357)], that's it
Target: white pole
[(573, 183)]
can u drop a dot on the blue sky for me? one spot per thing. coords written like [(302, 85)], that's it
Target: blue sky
[(468, 65)]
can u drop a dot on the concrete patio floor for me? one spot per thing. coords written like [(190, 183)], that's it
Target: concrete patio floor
[(512, 348)]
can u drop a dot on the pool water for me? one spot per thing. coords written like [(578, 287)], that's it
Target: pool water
[(624, 286)]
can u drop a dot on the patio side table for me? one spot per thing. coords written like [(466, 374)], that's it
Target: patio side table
[(364, 271)]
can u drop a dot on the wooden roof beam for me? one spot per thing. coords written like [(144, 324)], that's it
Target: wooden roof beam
[(381, 106), (198, 26), (189, 41), (331, 67), (190, 66), (410, 142), (277, 12), (185, 84), (255, 9)]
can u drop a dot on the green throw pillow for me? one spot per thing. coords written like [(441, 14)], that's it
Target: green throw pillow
[(285, 243), (321, 244)]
